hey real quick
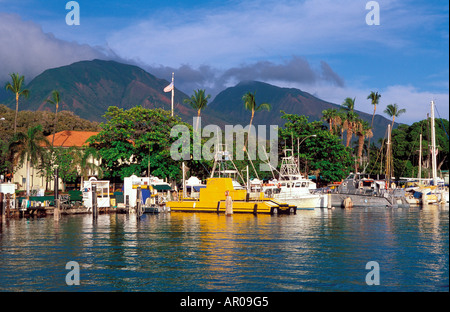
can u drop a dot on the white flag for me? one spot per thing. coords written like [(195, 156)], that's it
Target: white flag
[(169, 87)]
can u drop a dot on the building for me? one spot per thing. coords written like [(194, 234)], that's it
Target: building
[(64, 139)]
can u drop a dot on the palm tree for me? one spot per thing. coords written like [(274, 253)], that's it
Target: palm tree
[(250, 104), (350, 119), (16, 88), (28, 147), (330, 115), (392, 110), (374, 97), (198, 101), (87, 163), (54, 101)]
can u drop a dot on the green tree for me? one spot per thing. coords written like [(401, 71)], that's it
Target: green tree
[(324, 153), (330, 157), (28, 147), (198, 101), (374, 99), (405, 148), (16, 88), (131, 139), (55, 101), (331, 116), (67, 161), (87, 163)]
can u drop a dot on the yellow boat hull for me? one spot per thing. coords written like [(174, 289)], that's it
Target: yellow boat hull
[(212, 199), (267, 207)]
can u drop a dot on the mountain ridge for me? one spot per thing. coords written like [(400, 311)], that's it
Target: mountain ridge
[(88, 88), (229, 104)]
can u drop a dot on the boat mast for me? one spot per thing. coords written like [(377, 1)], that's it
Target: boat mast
[(173, 92), (420, 159), (433, 145), (388, 157)]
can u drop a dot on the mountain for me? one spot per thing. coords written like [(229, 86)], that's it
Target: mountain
[(88, 88), (229, 105)]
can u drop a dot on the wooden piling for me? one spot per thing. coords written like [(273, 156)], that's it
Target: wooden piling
[(228, 206), (56, 211), (94, 202), (127, 203), (8, 205), (348, 203), (138, 201), (2, 209)]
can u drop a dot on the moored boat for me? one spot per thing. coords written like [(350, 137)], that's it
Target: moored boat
[(213, 198), (292, 187)]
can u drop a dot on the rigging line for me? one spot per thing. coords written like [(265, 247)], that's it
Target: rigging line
[(435, 107), (380, 152), (409, 156)]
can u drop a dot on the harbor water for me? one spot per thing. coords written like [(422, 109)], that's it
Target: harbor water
[(315, 251)]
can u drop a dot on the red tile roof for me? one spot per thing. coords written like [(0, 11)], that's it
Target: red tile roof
[(71, 138)]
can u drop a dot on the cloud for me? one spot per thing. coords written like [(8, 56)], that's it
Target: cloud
[(296, 70), (27, 50), (254, 29), (329, 75), (416, 102), (264, 30)]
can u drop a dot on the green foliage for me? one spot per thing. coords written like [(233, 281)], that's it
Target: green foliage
[(16, 88), (405, 147), (198, 101), (67, 161), (28, 146), (26, 119), (323, 153), (131, 139), (330, 157)]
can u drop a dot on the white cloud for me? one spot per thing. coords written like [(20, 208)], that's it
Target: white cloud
[(27, 50), (264, 30)]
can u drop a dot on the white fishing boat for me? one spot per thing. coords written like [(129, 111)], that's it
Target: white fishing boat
[(291, 187)]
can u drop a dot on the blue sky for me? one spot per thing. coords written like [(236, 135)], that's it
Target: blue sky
[(323, 47)]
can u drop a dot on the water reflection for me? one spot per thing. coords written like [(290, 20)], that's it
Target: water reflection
[(317, 250)]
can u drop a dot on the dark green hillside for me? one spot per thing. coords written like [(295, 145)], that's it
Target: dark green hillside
[(229, 105), (88, 88)]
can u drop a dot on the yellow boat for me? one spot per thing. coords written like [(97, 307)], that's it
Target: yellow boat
[(212, 199)]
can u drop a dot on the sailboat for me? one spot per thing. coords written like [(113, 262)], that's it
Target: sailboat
[(428, 191), (437, 193)]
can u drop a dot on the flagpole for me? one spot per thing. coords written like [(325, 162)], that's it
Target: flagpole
[(173, 92)]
